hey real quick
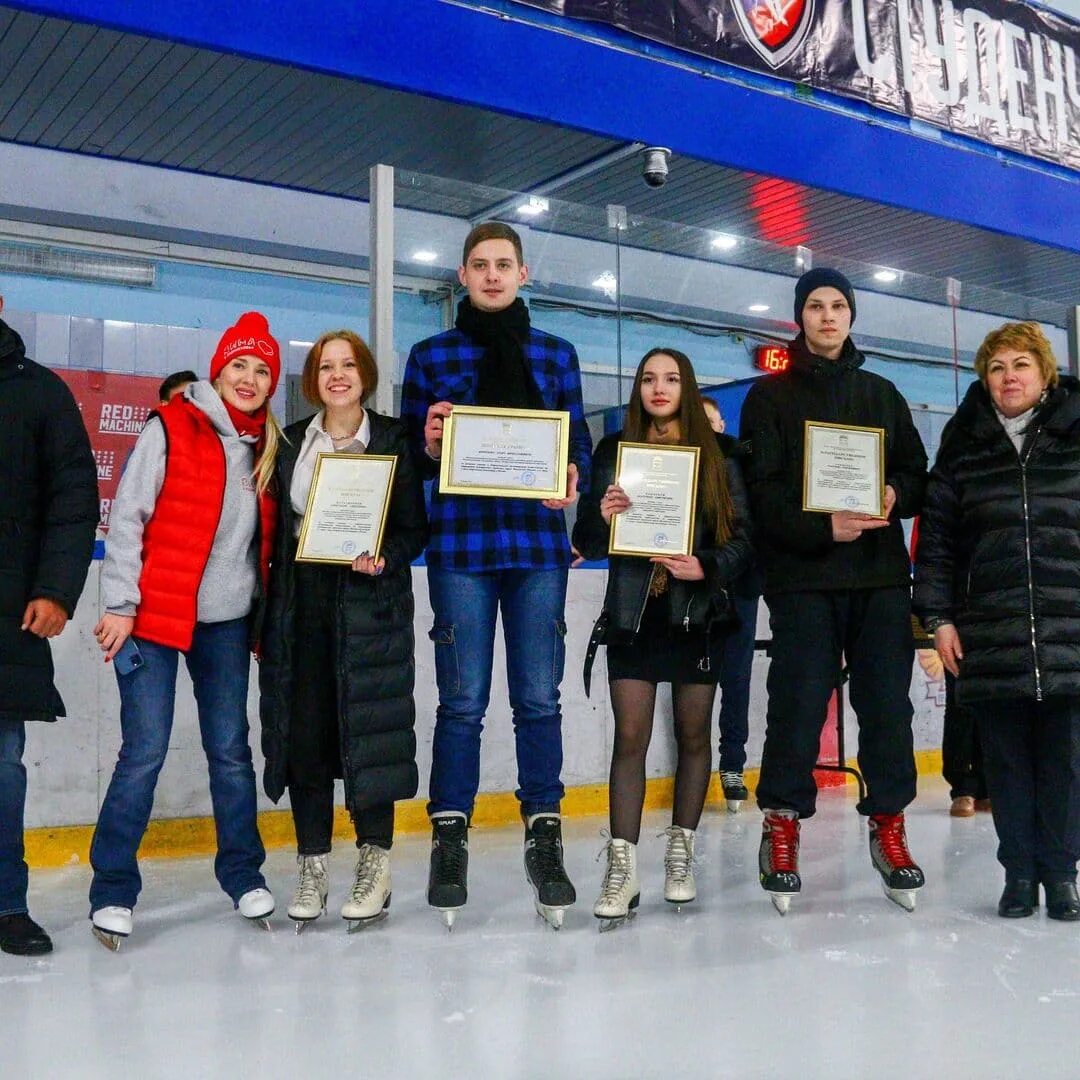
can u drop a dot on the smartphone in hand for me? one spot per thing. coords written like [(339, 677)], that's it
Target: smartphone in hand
[(128, 658)]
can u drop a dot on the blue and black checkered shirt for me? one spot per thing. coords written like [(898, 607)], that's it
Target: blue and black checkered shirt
[(474, 533)]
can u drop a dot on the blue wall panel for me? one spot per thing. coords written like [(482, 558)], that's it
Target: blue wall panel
[(439, 49)]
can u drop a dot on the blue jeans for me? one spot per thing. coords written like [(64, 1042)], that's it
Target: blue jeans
[(735, 668), (465, 606), (218, 663), (13, 874)]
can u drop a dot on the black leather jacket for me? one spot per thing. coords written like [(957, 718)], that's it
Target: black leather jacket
[(695, 605)]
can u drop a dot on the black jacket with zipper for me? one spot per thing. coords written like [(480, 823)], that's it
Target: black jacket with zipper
[(999, 547), (694, 604), (796, 546), (48, 513), (374, 648)]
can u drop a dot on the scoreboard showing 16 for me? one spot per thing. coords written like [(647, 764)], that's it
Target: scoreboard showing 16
[(772, 359)]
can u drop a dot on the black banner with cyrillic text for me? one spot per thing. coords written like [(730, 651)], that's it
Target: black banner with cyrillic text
[(1002, 72)]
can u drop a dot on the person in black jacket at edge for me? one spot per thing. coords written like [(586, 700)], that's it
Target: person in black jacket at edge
[(337, 672), (737, 661), (837, 585), (48, 512), (998, 582), (663, 620)]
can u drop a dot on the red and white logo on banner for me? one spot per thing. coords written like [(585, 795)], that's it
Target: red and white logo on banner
[(775, 28), (114, 409)]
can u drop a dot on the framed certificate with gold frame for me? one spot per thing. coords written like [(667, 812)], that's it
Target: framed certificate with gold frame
[(844, 468), (661, 483), (346, 508), (521, 453)]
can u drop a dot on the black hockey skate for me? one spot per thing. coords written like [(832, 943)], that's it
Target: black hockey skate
[(778, 857), (448, 876), (734, 787), (552, 889), (900, 875)]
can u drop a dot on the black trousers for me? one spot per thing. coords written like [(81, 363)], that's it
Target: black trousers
[(811, 633), (314, 733), (1031, 752), (961, 750)]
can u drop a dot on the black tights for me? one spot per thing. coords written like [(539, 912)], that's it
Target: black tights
[(633, 703)]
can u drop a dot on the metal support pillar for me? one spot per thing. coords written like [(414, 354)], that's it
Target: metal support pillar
[(1074, 341), (381, 312)]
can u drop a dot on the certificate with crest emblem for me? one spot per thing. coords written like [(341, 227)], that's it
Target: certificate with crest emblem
[(346, 507), (661, 483), (844, 468), (521, 453)]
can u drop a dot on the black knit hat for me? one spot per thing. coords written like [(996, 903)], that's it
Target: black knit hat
[(820, 278)]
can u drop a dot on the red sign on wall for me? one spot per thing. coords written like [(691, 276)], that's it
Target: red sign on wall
[(114, 409)]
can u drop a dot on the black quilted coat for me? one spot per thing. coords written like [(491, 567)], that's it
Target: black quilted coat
[(999, 547), (375, 660), (48, 511)]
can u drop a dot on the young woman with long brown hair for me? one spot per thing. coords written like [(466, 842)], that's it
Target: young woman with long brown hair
[(662, 622)]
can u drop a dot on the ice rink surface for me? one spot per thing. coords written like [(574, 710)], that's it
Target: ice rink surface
[(846, 985)]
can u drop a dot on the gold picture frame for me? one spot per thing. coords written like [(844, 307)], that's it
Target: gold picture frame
[(662, 483), (515, 453), (346, 510)]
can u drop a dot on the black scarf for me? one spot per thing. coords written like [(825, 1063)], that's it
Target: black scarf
[(803, 359), (504, 378)]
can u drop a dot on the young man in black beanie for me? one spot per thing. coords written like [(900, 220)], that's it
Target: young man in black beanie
[(496, 555), (838, 587)]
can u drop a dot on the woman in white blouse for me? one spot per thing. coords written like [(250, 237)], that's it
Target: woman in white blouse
[(337, 669)]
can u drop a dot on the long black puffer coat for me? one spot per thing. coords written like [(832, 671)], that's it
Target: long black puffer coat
[(375, 658), (999, 548), (48, 512)]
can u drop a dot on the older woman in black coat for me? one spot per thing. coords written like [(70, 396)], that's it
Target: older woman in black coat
[(998, 583), (337, 670)]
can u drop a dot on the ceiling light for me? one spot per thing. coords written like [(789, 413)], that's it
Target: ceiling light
[(759, 308), (424, 256), (725, 242), (534, 207), (45, 260), (607, 282), (301, 344), (886, 277)]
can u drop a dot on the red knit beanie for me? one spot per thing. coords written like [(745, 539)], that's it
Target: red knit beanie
[(249, 337)]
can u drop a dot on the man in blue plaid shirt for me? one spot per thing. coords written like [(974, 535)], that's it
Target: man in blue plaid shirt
[(492, 553)]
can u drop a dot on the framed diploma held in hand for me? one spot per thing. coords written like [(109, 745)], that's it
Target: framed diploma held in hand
[(844, 468), (661, 483), (346, 507), (522, 453)]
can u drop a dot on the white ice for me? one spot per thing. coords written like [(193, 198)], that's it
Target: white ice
[(846, 985)]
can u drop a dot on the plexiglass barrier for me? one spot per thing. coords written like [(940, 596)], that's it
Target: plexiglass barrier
[(617, 283)]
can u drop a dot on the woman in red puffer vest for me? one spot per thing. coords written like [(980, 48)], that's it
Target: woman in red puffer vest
[(185, 571)]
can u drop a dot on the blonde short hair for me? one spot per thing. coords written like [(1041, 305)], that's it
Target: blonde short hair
[(1023, 337)]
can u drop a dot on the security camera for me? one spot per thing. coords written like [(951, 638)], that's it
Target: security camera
[(654, 166)]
